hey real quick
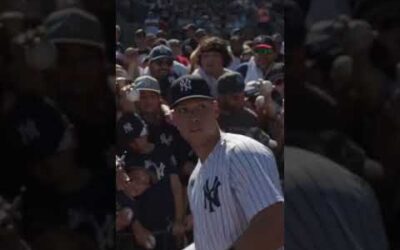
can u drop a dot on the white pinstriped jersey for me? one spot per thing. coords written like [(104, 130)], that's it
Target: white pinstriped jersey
[(237, 180)]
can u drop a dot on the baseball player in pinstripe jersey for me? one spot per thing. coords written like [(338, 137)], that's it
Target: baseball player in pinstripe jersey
[(234, 192)]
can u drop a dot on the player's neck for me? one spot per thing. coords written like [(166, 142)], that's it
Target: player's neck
[(204, 150)]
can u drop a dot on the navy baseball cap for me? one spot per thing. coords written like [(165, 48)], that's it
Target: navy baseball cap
[(188, 87), (40, 130), (129, 127), (230, 83), (160, 52)]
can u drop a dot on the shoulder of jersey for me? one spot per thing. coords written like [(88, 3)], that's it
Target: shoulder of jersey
[(244, 144)]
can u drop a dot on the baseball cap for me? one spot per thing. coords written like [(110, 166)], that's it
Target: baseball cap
[(160, 52), (129, 127), (263, 49), (147, 83), (188, 87), (61, 27), (230, 83), (41, 130), (263, 41)]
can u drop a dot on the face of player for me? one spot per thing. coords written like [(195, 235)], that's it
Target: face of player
[(149, 102), (160, 68), (196, 120), (212, 62)]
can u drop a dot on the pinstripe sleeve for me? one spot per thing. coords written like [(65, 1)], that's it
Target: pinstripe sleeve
[(254, 178)]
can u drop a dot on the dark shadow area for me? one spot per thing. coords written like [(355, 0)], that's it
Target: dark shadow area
[(57, 178), (342, 124)]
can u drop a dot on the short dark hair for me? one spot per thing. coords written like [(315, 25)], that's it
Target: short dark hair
[(215, 44)]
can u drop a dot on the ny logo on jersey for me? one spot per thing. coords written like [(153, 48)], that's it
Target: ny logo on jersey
[(211, 197), (165, 140), (158, 169), (28, 132), (128, 127), (185, 85)]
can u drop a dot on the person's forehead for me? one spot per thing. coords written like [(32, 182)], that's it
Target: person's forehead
[(148, 93), (193, 102), (162, 60)]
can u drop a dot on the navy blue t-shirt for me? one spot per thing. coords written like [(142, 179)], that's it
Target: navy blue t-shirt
[(160, 162), (155, 207), (167, 135)]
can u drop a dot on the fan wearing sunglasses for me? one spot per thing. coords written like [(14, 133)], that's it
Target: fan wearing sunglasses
[(262, 63)]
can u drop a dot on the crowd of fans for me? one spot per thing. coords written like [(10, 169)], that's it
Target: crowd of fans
[(57, 130), (244, 72), (220, 18), (58, 105)]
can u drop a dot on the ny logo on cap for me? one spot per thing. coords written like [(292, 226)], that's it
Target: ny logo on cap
[(185, 85)]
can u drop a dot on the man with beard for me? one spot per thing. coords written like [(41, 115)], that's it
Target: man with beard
[(161, 67)]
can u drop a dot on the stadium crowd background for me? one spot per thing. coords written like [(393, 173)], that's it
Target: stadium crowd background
[(342, 104), (238, 48)]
